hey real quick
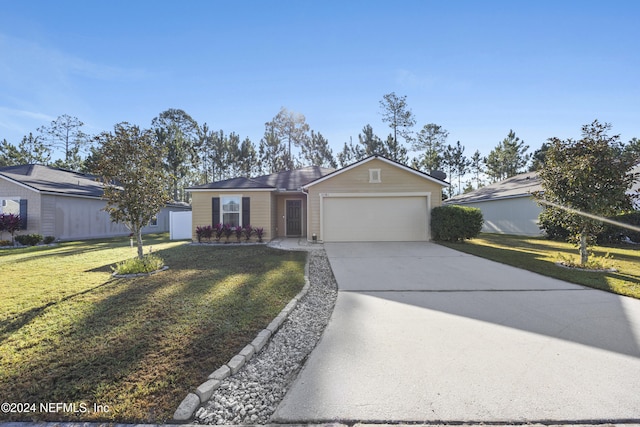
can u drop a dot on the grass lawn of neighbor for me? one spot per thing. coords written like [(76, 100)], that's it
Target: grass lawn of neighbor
[(539, 255), (132, 348)]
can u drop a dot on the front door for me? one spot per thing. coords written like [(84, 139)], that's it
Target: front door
[(294, 217)]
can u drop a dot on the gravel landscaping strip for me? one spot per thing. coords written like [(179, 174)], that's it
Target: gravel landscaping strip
[(252, 395)]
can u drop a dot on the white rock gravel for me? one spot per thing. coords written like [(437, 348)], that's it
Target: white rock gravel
[(252, 395)]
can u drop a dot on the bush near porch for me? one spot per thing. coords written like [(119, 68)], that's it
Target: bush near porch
[(71, 333)]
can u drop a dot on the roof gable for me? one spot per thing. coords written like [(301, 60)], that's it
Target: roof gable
[(383, 159), (47, 179), (521, 185), (291, 180)]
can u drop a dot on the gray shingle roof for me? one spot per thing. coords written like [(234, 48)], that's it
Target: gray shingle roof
[(521, 185), (286, 180), (53, 180)]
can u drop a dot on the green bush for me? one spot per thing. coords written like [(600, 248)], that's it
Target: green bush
[(453, 223), (609, 234), (148, 264), (29, 239), (5, 243), (48, 240)]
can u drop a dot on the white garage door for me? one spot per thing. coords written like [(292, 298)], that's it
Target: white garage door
[(375, 219)]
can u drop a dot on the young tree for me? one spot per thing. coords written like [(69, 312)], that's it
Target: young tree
[(272, 154), (586, 180), (291, 128), (398, 115), (460, 163), (66, 133), (350, 154), (507, 159), (431, 139), (9, 154), (538, 157), (317, 152), (395, 151), (177, 131), (247, 163), (34, 151), (476, 168), (130, 167), (448, 163), (371, 143)]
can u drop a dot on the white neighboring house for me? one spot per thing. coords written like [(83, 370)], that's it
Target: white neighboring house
[(507, 206), (65, 204)]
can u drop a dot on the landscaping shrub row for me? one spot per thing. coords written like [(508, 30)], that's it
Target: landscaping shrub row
[(216, 232), (453, 223)]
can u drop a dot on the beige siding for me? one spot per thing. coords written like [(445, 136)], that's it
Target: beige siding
[(393, 179), (9, 189), (260, 213)]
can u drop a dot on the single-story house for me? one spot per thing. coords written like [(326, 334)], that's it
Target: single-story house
[(374, 199), (64, 204), (507, 206)]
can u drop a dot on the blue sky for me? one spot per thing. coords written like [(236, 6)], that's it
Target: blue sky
[(477, 68)]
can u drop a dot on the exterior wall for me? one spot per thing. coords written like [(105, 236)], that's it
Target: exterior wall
[(280, 213), (79, 218), (393, 180), (9, 189), (510, 216), (260, 211)]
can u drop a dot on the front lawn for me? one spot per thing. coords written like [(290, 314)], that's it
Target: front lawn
[(539, 255), (70, 333)]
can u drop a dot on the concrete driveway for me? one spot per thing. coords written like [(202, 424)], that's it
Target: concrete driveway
[(422, 333)]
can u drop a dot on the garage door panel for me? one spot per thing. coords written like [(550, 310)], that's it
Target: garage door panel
[(375, 219)]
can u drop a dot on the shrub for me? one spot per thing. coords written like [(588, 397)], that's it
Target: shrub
[(248, 231), (239, 231), (218, 230), (204, 232), (452, 223), (614, 234), (5, 243), (259, 232), (48, 240), (227, 230), (29, 239), (149, 263)]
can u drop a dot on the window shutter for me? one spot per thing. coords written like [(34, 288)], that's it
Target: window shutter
[(23, 214), (215, 209), (246, 210)]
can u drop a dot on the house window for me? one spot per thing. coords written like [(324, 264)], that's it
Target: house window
[(231, 210), (374, 176), (153, 222)]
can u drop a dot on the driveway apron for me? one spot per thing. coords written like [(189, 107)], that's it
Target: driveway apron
[(423, 333)]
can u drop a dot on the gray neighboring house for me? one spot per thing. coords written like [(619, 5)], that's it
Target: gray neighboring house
[(507, 206), (64, 204)]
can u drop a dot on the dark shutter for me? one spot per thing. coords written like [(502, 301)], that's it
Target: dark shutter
[(23, 214), (246, 210), (215, 208)]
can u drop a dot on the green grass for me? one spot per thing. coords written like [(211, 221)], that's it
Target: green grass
[(71, 333), (539, 255)]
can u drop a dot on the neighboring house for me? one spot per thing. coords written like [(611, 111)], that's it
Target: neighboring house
[(507, 206), (64, 204), (375, 199)]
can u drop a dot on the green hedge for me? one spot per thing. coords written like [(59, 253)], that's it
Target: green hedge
[(609, 234), (453, 223)]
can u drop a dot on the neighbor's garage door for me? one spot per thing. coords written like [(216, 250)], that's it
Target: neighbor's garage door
[(360, 219)]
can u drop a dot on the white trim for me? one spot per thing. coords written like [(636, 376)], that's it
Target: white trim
[(426, 194), (382, 159), (226, 190), (240, 224)]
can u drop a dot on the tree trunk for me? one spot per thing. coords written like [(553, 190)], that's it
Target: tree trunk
[(584, 255), (138, 234)]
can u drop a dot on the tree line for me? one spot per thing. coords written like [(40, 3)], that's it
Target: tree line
[(195, 153)]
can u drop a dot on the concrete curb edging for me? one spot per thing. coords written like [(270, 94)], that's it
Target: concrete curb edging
[(204, 391)]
